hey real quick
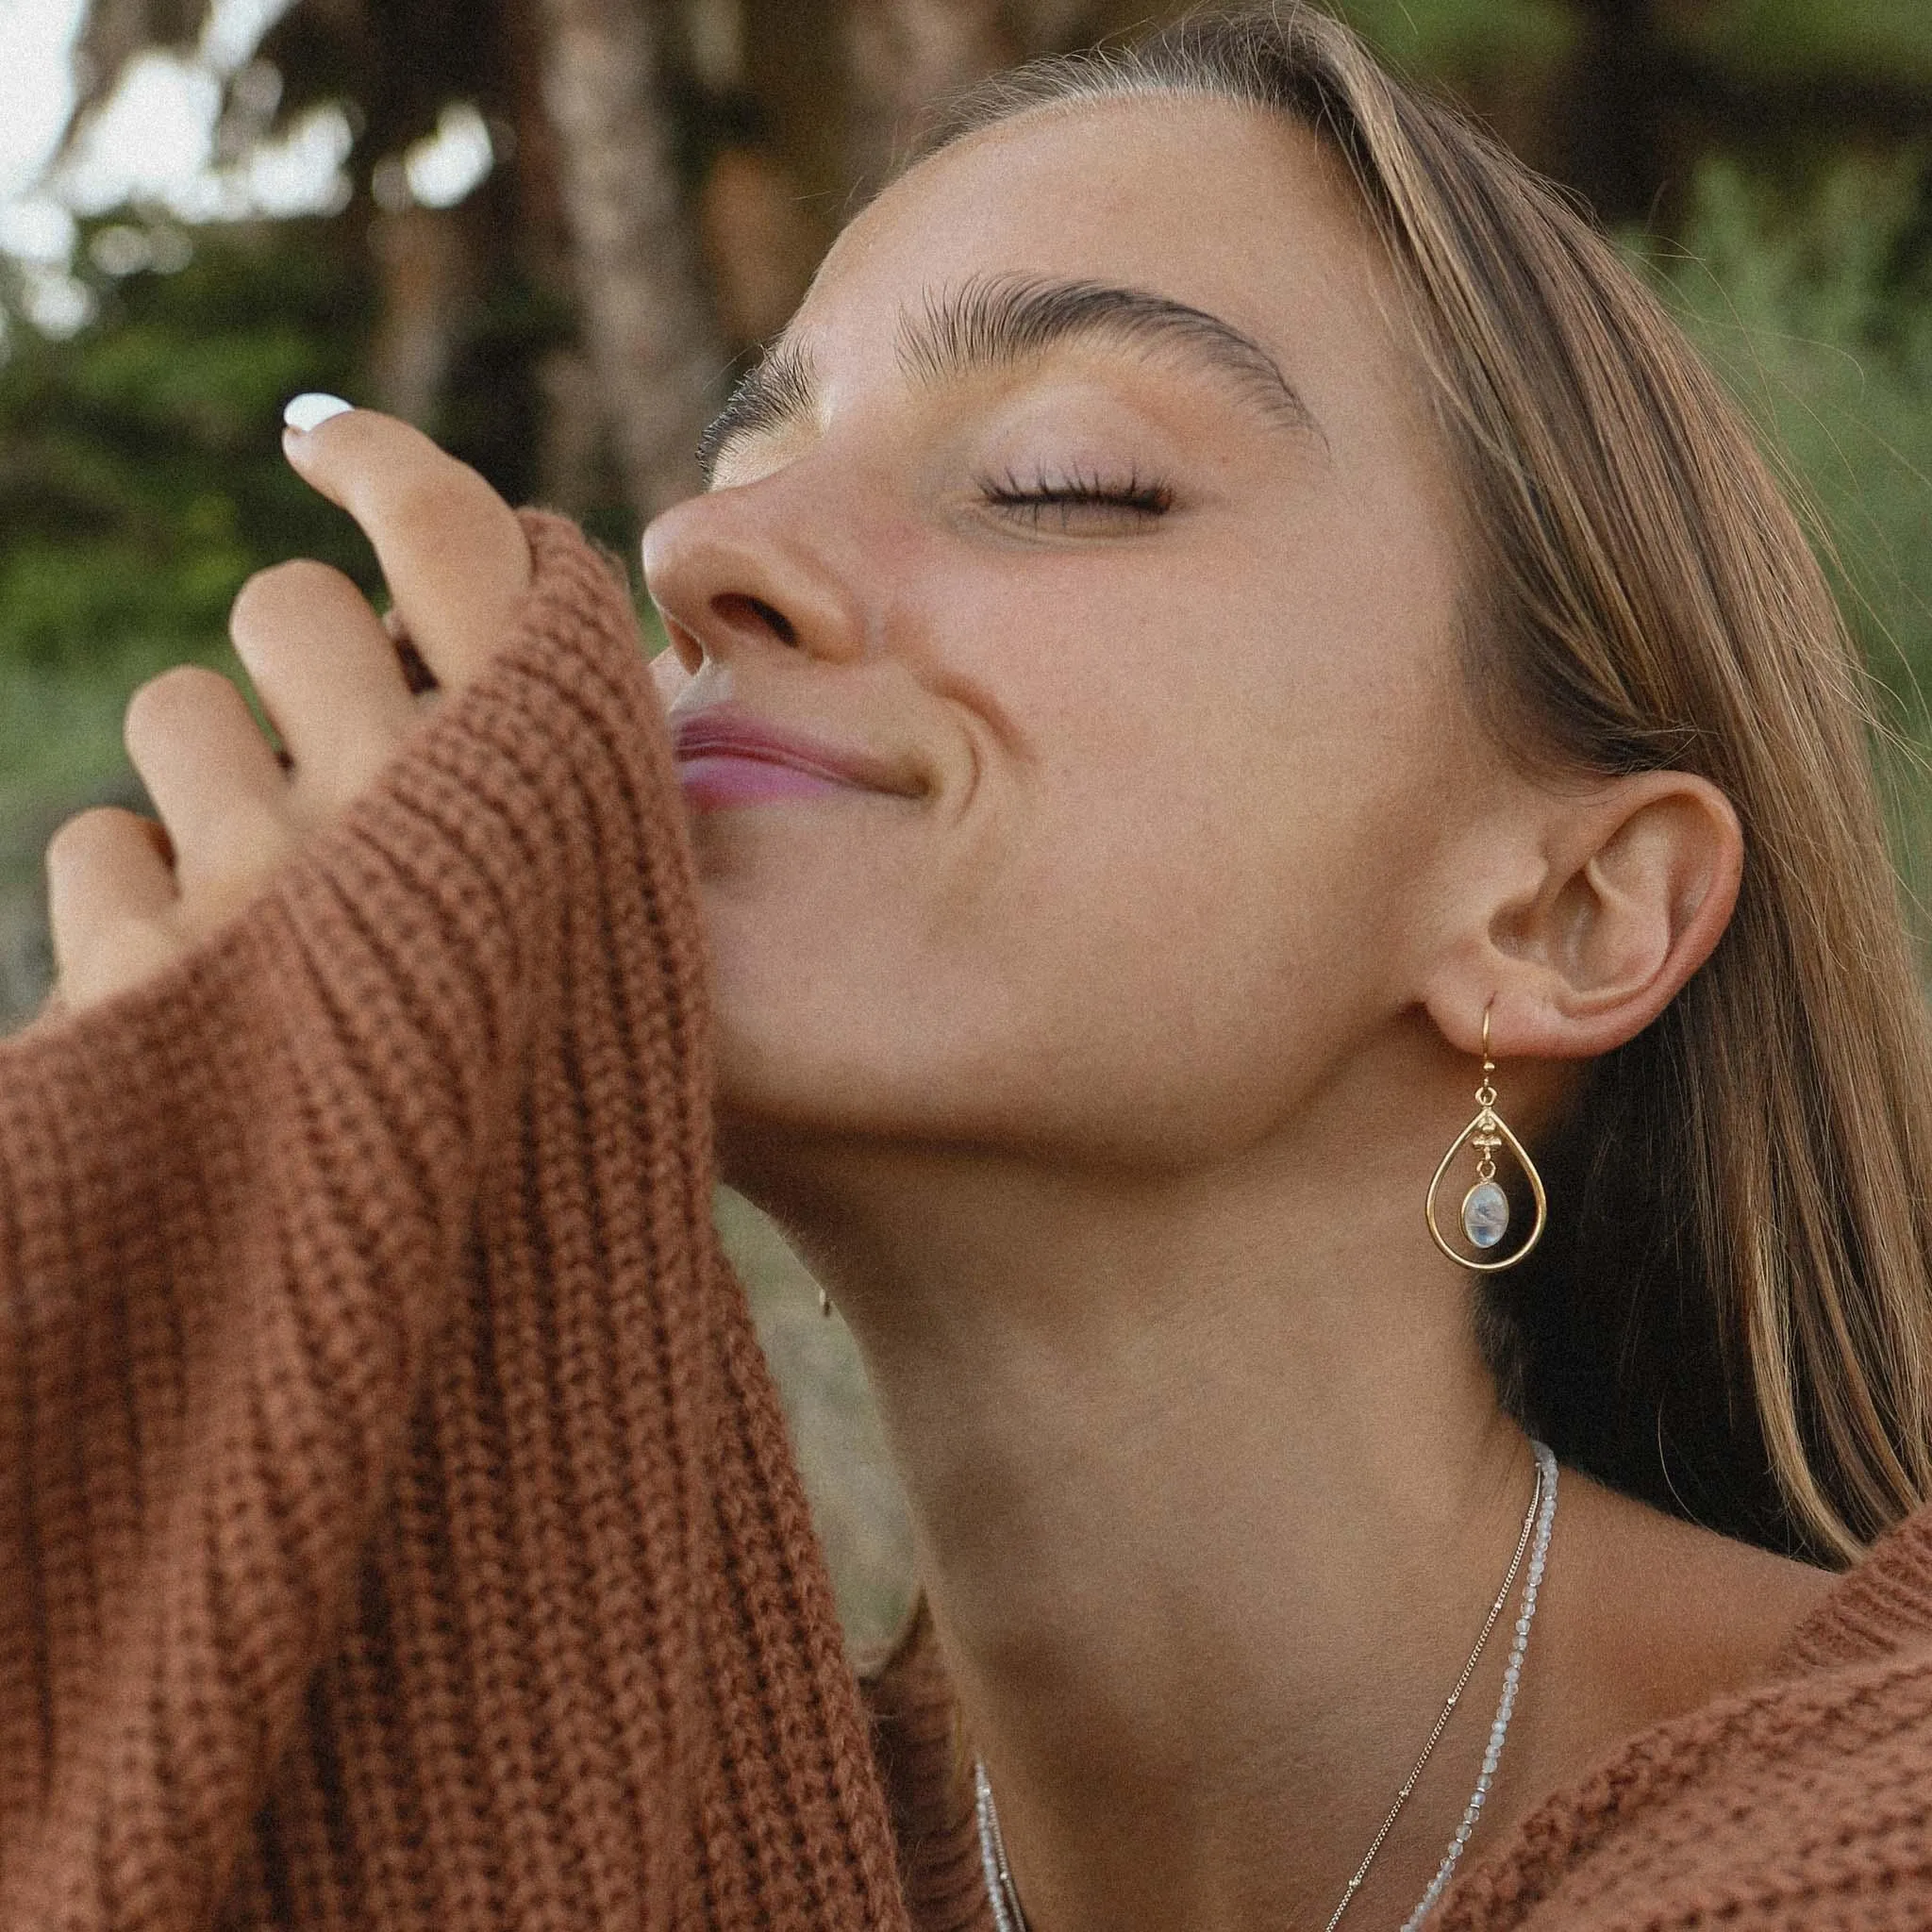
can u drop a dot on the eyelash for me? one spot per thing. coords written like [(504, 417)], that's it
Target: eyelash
[(1064, 494)]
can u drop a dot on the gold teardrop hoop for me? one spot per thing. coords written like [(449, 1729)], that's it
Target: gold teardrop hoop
[(1488, 1131)]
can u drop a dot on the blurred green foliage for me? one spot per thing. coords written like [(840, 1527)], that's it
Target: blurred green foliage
[(1456, 39), (1818, 314), (141, 483), (1889, 39), (1817, 309)]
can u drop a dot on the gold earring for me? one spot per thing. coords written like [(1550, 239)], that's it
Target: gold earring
[(1486, 1207)]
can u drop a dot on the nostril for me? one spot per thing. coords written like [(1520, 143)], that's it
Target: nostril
[(736, 609)]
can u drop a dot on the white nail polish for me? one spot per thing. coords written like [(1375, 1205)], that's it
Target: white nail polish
[(311, 411)]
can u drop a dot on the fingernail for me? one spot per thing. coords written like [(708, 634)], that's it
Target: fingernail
[(311, 411)]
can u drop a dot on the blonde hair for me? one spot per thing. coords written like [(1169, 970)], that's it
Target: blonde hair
[(1732, 1314)]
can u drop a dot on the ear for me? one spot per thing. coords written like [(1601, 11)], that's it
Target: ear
[(1632, 886)]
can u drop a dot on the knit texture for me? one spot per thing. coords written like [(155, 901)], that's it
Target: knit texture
[(397, 1522), (1805, 1801)]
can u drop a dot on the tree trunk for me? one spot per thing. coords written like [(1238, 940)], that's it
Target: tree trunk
[(647, 315), (116, 30), (760, 245), (1058, 26), (795, 69), (1612, 116), (908, 56), (431, 279)]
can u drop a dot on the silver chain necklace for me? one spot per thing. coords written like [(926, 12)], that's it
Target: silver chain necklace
[(1536, 1525)]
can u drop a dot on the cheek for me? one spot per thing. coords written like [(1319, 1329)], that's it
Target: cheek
[(1174, 932), (1128, 941)]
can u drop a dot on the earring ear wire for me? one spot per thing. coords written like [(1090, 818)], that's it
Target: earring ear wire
[(1486, 1207)]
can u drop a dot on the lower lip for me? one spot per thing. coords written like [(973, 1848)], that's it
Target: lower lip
[(714, 781)]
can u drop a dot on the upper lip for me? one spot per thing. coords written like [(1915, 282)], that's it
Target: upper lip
[(724, 730)]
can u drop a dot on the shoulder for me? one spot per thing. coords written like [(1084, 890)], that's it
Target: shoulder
[(1881, 1608), (1803, 1798)]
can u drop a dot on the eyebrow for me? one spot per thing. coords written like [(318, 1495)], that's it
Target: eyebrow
[(1001, 323), (779, 389)]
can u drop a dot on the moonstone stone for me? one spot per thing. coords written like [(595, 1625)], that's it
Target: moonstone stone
[(1486, 1214)]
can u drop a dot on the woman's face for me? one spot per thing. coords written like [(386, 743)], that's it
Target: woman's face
[(1086, 527)]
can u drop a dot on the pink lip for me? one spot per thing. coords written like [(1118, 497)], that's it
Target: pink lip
[(727, 756)]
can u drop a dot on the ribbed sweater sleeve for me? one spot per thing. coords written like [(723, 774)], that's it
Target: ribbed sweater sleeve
[(397, 1525)]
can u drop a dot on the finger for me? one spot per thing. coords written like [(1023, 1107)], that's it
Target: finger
[(327, 673), (454, 554), (111, 888), (210, 773)]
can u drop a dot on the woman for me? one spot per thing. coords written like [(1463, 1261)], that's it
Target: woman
[(1227, 624)]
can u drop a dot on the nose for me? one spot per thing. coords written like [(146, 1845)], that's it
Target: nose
[(737, 570)]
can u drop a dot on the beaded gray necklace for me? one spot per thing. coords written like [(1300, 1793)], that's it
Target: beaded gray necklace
[(1005, 1899)]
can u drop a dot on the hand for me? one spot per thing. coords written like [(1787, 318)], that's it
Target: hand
[(129, 896)]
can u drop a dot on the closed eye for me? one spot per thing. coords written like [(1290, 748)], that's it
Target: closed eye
[(1070, 499)]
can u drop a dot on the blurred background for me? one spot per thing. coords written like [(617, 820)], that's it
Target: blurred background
[(550, 231)]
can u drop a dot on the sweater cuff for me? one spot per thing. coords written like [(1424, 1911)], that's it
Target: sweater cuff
[(242, 1208), (413, 928)]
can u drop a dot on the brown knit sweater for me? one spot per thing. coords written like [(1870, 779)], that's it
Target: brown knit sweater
[(397, 1525)]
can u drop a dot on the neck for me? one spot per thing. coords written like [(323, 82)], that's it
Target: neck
[(1212, 1492)]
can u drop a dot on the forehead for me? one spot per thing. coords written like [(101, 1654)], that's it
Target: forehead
[(1225, 207)]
